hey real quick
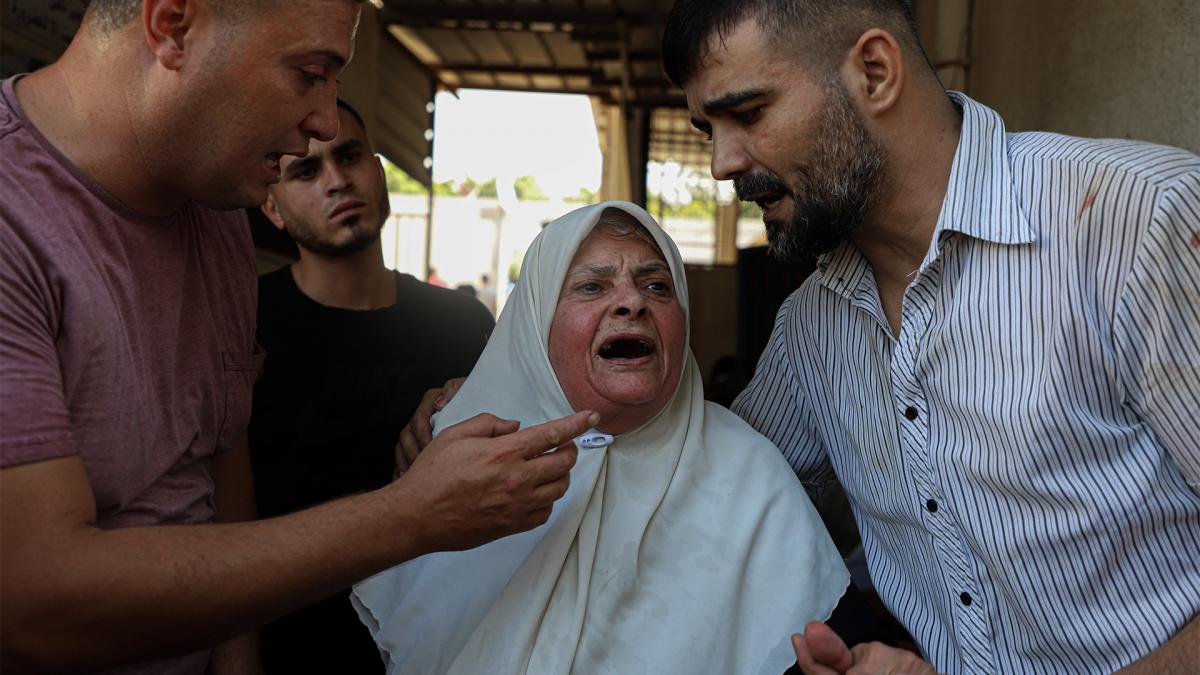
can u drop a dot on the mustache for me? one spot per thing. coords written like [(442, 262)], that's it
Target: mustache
[(750, 184)]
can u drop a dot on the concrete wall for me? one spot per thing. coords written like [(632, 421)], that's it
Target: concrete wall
[(1100, 68)]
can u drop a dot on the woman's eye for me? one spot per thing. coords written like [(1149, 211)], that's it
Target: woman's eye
[(659, 286), (589, 287)]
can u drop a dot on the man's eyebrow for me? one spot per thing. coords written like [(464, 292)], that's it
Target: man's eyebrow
[(333, 58), (733, 99), (349, 145), (298, 165)]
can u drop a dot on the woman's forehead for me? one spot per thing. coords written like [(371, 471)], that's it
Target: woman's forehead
[(602, 243)]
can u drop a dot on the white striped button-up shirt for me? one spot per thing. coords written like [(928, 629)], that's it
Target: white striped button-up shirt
[(1023, 460)]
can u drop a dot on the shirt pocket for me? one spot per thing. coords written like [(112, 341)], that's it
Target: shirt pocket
[(241, 370)]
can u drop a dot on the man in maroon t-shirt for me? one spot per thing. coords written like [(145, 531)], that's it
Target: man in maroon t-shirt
[(127, 349)]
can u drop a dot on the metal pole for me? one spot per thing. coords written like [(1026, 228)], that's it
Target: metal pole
[(429, 199)]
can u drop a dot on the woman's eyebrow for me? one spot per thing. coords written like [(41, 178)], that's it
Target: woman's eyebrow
[(651, 267), (594, 269)]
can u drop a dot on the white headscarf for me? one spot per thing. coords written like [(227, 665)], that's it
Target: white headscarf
[(686, 546)]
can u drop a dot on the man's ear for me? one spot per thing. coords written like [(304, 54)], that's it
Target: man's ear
[(166, 24), (271, 211), (875, 71), (382, 173)]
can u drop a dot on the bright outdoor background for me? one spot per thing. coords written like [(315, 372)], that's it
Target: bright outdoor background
[(506, 163)]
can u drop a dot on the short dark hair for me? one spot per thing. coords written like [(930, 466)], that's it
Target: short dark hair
[(109, 15), (353, 113), (823, 30)]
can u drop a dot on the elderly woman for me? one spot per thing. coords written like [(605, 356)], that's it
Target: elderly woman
[(684, 543)]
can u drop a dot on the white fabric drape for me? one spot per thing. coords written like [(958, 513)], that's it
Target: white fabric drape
[(686, 546)]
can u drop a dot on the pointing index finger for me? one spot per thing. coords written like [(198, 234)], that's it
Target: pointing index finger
[(541, 438)]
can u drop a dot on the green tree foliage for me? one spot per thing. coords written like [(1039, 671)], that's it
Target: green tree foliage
[(528, 190), (749, 210), (399, 182), (486, 189), (585, 196), (701, 206), (526, 187)]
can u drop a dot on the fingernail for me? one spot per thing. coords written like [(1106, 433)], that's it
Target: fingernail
[(440, 401), (594, 419)]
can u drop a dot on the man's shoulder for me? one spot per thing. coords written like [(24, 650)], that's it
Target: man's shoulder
[(23, 164), (280, 302), (419, 294), (804, 299), (10, 121), (1150, 163), (276, 282), (10, 124)]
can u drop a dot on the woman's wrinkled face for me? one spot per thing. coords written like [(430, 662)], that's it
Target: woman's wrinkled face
[(617, 341)]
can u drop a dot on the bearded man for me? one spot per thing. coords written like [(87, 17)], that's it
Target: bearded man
[(998, 355)]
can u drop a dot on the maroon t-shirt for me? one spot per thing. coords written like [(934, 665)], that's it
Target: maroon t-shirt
[(124, 339)]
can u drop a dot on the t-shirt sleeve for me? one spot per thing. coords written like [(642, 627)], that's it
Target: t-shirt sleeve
[(1157, 326), (34, 422), (774, 404)]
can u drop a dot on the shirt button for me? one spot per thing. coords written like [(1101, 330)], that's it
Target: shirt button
[(910, 412), (931, 506), (966, 599)]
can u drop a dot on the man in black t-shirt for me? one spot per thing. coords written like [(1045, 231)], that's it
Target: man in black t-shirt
[(351, 347)]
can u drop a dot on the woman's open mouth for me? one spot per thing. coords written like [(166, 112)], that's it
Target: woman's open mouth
[(627, 350)]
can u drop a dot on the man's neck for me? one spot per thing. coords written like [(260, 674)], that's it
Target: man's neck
[(80, 104), (898, 233), (356, 281)]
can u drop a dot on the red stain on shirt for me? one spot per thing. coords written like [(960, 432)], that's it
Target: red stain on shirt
[(1196, 240), (1087, 203)]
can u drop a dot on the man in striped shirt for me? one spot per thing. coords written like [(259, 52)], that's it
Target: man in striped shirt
[(999, 353)]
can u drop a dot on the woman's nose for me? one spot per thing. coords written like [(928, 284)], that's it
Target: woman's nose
[(630, 304)]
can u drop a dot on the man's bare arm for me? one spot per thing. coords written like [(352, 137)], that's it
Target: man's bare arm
[(233, 499), (1178, 656), (74, 597)]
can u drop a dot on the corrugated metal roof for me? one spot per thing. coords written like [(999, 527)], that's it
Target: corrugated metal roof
[(603, 48), (674, 139)]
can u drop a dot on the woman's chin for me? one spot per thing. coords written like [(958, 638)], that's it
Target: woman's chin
[(624, 412), (615, 425)]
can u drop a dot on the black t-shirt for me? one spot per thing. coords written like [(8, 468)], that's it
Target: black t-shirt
[(337, 387)]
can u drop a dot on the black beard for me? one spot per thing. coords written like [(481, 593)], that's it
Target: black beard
[(835, 186), (307, 239)]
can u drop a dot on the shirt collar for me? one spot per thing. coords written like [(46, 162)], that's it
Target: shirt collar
[(980, 197)]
